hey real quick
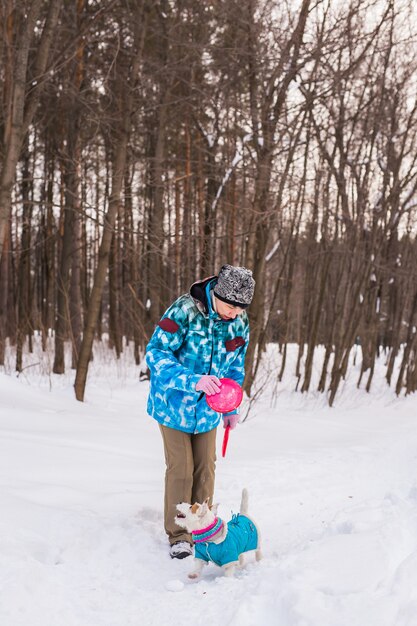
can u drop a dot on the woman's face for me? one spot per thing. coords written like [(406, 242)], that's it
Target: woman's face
[(227, 311)]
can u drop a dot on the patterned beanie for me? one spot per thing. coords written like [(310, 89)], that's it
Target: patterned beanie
[(235, 286)]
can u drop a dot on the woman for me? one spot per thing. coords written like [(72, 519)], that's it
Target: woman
[(202, 337)]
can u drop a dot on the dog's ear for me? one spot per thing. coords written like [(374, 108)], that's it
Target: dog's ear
[(204, 507), (214, 508)]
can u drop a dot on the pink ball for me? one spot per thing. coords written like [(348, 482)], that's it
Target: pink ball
[(228, 398)]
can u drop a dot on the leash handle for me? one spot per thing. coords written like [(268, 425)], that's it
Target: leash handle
[(225, 440)]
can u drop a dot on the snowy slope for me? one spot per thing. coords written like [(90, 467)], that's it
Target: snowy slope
[(334, 492)]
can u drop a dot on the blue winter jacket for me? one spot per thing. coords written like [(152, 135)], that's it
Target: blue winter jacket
[(242, 536), (191, 340)]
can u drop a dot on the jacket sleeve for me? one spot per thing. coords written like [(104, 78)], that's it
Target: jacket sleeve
[(236, 369), (167, 338)]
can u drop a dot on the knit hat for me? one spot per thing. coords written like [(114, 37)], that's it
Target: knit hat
[(235, 286)]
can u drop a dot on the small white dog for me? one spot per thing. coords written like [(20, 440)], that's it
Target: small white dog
[(215, 541)]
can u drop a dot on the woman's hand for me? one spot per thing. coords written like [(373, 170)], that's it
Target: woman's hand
[(231, 420), (208, 384)]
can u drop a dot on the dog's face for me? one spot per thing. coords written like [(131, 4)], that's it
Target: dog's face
[(195, 516)]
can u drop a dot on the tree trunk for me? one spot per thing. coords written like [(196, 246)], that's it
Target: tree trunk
[(68, 303), (21, 108), (102, 266), (75, 305), (62, 324), (24, 299), (119, 167)]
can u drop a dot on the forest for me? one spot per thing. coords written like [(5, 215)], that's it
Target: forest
[(145, 143)]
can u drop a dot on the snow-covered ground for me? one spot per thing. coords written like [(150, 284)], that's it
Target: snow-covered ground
[(334, 492)]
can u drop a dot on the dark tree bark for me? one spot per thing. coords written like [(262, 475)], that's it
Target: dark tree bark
[(24, 325), (23, 102)]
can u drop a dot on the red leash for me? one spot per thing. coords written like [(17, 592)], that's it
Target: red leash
[(225, 440)]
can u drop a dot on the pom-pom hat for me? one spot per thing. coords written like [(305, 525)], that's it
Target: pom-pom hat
[(235, 286)]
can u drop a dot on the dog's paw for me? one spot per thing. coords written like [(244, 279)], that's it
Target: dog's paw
[(229, 571), (193, 575)]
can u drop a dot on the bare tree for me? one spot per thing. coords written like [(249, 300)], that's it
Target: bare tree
[(128, 75)]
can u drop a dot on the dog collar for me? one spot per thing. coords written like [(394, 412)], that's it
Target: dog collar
[(207, 533)]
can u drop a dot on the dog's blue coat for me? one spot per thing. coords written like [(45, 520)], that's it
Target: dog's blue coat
[(242, 536)]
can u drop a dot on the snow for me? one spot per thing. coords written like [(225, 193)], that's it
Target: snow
[(174, 585), (273, 250), (235, 162), (333, 491)]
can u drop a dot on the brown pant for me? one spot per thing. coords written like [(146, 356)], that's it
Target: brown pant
[(190, 465)]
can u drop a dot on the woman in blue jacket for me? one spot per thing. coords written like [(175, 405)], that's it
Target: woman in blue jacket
[(202, 337)]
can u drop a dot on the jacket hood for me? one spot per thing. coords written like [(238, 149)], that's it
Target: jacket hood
[(198, 291)]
